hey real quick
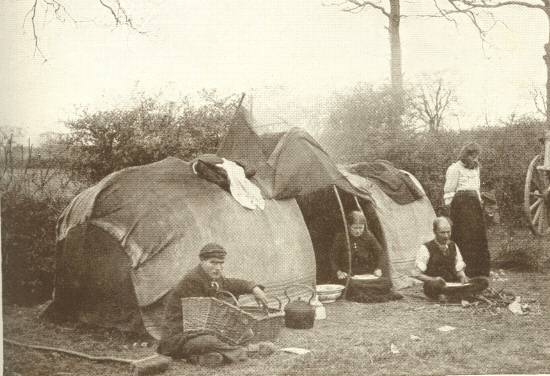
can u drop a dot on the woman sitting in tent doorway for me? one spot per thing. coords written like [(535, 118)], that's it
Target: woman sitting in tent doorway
[(366, 261), (365, 249)]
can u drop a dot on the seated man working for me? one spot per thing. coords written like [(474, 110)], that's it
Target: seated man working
[(439, 261), (365, 249), (203, 281)]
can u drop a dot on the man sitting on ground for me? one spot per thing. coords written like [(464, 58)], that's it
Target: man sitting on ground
[(203, 281), (439, 261)]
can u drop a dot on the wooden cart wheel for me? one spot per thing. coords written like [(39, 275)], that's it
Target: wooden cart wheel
[(536, 199)]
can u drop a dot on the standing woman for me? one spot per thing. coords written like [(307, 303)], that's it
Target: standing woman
[(462, 192)]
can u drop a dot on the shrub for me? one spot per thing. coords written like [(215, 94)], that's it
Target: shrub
[(28, 243), (106, 141), (32, 199)]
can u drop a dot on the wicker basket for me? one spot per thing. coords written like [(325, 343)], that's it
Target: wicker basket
[(207, 315), (266, 322)]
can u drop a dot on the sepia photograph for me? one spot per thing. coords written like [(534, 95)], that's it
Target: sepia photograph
[(287, 188)]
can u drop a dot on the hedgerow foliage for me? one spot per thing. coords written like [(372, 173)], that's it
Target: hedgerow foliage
[(106, 141), (32, 199), (357, 131)]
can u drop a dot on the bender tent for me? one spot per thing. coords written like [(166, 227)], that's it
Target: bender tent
[(293, 164), (125, 242)]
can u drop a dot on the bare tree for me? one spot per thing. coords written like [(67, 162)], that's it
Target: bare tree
[(41, 9), (539, 99), (432, 104), (477, 10), (392, 11)]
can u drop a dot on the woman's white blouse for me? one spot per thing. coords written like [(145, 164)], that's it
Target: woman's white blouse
[(460, 178)]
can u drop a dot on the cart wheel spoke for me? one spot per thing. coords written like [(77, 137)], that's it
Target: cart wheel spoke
[(542, 220), (537, 215), (535, 204), (541, 181), (535, 196)]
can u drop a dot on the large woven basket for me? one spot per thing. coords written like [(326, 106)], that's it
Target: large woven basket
[(207, 315), (267, 322)]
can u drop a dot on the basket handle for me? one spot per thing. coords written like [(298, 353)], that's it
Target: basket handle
[(235, 301), (300, 285), (266, 308)]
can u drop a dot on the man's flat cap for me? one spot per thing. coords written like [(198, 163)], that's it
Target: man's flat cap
[(212, 250)]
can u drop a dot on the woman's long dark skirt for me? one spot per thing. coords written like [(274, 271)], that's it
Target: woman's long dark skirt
[(470, 234)]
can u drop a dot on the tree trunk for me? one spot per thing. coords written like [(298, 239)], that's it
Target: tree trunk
[(547, 61), (395, 45), (547, 133), (396, 74)]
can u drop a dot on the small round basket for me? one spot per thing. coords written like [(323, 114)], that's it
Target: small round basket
[(329, 293)]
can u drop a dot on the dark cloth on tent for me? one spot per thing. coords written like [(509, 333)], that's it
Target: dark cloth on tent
[(196, 283), (441, 264), (372, 291), (205, 167), (288, 164), (432, 289), (469, 233), (395, 183), (365, 253)]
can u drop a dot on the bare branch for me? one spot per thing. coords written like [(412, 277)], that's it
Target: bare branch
[(60, 10), (497, 4), (115, 16), (539, 99), (471, 15), (355, 9), (118, 12), (61, 14), (431, 104), (35, 35), (360, 4)]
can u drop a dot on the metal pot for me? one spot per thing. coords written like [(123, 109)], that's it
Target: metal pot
[(300, 314)]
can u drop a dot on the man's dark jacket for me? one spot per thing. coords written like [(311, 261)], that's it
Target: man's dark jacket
[(441, 264), (196, 283)]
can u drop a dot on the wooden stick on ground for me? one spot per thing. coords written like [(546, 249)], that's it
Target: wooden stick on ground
[(146, 366), (70, 352)]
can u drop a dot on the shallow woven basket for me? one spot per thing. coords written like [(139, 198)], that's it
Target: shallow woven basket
[(266, 322), (214, 316)]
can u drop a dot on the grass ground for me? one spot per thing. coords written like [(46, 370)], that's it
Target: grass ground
[(355, 338)]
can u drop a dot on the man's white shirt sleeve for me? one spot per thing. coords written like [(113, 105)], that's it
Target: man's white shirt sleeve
[(422, 257), (459, 262)]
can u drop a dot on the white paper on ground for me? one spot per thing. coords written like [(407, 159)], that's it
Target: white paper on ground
[(515, 307), (446, 328), (296, 350), (394, 349)]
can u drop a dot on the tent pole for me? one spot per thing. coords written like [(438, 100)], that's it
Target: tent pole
[(239, 104), (348, 243), (358, 206)]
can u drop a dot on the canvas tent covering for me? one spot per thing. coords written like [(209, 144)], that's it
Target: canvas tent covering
[(125, 242), (293, 164)]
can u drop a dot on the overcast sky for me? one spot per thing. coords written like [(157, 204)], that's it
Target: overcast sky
[(245, 46)]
